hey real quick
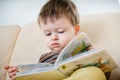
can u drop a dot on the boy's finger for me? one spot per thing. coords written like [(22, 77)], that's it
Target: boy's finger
[(12, 66), (12, 79), (6, 67), (10, 70), (91, 47), (11, 75)]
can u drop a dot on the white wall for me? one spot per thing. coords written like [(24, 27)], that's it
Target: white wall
[(25, 11)]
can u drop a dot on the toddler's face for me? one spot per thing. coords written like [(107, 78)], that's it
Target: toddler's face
[(58, 33)]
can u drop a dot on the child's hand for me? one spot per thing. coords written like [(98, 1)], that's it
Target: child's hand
[(12, 70), (92, 47)]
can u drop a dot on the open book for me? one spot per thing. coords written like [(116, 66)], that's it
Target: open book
[(74, 56)]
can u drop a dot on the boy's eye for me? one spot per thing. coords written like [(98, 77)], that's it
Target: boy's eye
[(61, 31), (47, 34)]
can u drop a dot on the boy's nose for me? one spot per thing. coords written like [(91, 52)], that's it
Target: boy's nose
[(55, 37)]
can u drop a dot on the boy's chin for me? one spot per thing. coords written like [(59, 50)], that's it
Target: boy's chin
[(56, 50)]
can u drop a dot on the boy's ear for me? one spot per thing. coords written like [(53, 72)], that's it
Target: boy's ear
[(77, 29)]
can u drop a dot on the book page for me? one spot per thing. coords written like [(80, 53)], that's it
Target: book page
[(99, 58), (41, 71), (46, 75), (77, 45), (33, 68)]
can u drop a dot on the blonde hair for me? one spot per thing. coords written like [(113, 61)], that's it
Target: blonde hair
[(55, 9)]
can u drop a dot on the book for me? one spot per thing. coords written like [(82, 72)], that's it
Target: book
[(74, 56)]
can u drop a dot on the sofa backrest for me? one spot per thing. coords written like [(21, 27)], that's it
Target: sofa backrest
[(104, 30), (30, 45)]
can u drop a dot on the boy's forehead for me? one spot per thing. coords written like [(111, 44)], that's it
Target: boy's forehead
[(60, 21)]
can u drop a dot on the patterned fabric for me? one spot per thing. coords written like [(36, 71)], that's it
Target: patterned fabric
[(48, 58)]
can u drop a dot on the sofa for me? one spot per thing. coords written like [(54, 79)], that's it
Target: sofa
[(25, 44)]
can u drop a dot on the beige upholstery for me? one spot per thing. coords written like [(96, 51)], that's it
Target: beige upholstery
[(8, 36), (103, 30), (29, 46)]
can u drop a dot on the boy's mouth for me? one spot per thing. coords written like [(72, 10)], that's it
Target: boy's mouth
[(55, 45)]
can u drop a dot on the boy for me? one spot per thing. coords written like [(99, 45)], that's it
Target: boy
[(59, 20)]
